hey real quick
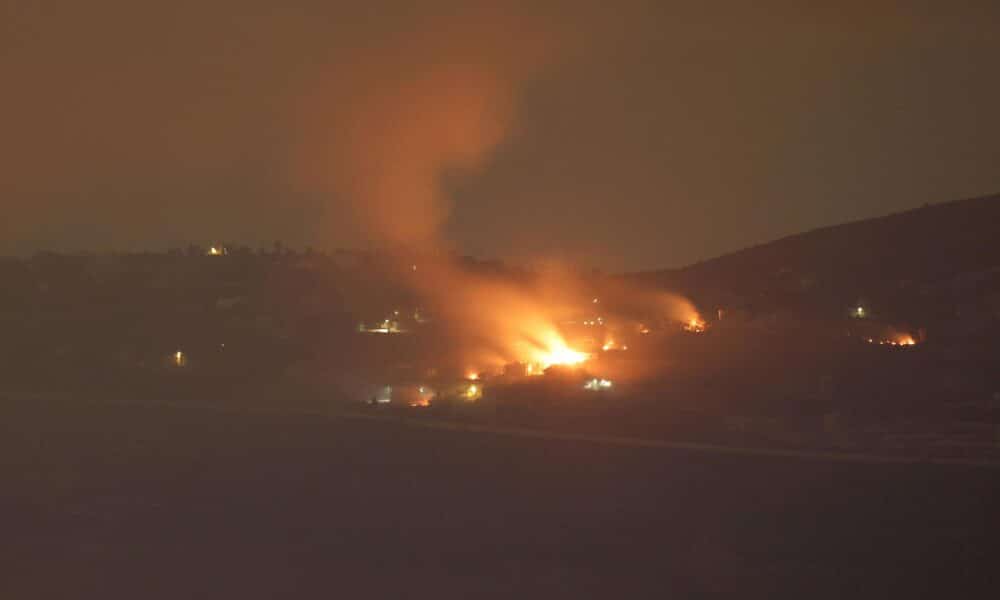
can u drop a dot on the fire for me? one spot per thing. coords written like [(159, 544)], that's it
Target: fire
[(902, 339), (472, 376), (563, 355), (423, 398), (558, 354), (694, 325)]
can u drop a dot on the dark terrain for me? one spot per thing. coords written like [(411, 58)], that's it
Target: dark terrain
[(255, 470), (144, 502)]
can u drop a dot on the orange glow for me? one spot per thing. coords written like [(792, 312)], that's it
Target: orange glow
[(472, 376), (898, 339), (503, 321), (421, 403), (694, 324), (561, 354), (904, 340)]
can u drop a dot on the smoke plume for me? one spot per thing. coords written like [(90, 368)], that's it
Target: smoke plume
[(388, 122)]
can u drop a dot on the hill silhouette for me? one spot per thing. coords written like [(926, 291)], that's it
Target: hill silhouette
[(933, 254)]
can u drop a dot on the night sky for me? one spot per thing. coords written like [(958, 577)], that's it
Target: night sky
[(626, 135)]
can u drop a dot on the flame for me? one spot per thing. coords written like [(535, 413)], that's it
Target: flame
[(694, 324), (562, 354), (900, 339)]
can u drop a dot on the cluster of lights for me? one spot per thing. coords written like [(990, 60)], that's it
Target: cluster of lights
[(596, 384), (386, 326), (905, 340)]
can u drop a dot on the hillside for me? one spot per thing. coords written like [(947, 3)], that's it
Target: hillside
[(944, 253)]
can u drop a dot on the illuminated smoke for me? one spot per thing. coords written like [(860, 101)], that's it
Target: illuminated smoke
[(497, 321), (387, 123), (385, 127)]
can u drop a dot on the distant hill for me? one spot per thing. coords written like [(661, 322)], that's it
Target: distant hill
[(926, 251)]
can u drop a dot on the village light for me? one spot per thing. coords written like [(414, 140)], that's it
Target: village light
[(596, 384)]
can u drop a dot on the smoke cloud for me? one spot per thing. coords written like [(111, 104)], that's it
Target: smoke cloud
[(388, 122)]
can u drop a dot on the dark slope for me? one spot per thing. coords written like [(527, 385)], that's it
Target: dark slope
[(952, 247)]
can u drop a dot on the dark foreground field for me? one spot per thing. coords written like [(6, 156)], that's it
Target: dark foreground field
[(141, 502)]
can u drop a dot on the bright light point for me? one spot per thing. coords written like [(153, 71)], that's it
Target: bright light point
[(472, 376)]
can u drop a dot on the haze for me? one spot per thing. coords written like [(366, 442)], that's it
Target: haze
[(633, 136)]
